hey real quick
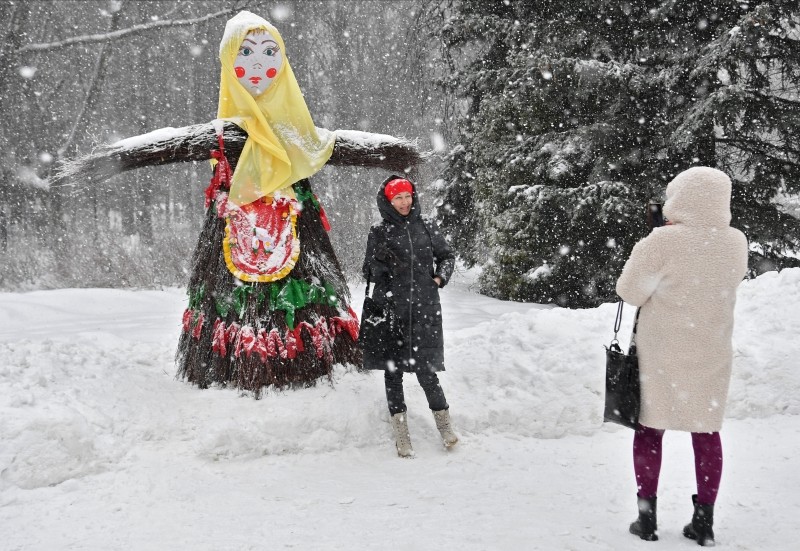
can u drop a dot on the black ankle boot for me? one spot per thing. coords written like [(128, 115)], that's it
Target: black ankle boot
[(645, 526), (701, 527)]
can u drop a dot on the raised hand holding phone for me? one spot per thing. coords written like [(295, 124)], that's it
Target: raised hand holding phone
[(655, 216)]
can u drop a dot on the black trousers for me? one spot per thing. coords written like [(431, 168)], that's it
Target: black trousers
[(427, 380)]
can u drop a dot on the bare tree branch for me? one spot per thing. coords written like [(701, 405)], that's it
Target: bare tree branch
[(130, 31), (95, 86)]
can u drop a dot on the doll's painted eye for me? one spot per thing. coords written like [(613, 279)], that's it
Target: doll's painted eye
[(271, 51), (245, 51)]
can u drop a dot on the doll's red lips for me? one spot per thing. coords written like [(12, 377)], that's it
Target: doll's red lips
[(255, 80)]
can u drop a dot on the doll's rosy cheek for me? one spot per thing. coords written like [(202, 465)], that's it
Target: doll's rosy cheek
[(239, 71), (271, 72)]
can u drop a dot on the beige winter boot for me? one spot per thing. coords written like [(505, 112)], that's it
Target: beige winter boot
[(402, 439), (442, 418)]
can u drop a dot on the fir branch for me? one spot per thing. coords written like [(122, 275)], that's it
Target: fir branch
[(762, 148), (777, 99), (759, 143)]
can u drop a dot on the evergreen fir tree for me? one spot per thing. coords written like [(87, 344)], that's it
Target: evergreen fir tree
[(575, 114)]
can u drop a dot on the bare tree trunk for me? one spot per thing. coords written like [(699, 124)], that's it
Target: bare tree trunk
[(143, 224), (193, 206), (60, 202), (12, 18), (141, 197)]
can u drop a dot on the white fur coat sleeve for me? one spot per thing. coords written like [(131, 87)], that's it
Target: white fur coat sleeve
[(642, 273)]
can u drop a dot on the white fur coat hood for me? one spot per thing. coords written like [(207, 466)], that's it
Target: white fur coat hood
[(684, 277)]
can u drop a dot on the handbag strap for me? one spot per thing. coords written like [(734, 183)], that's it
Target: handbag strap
[(618, 324), (618, 320)]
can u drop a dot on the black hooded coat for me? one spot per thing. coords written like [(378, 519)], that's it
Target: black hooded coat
[(404, 254)]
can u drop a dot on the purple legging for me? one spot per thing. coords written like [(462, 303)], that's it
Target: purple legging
[(707, 462)]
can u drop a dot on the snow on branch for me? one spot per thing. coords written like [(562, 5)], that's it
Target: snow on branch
[(134, 30), (355, 148), (194, 143)]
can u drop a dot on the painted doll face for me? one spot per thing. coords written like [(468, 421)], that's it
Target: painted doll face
[(258, 63)]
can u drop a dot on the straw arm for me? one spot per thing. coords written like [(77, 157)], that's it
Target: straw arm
[(195, 143)]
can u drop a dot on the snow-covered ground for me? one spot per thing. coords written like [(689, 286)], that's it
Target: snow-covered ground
[(102, 448)]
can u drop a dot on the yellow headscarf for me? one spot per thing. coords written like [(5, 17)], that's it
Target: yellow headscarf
[(283, 145)]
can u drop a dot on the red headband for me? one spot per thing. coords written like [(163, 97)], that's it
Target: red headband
[(398, 185)]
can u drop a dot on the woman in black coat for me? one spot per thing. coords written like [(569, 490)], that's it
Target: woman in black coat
[(409, 260)]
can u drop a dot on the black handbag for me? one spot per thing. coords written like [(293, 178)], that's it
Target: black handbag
[(623, 395), (379, 333)]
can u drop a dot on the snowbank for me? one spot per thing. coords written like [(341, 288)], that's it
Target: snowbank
[(102, 448), (88, 375)]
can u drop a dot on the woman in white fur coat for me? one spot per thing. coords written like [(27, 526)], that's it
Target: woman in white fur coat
[(684, 277)]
